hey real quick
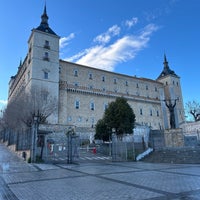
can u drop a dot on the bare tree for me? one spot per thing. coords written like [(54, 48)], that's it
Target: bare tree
[(21, 110), (193, 108)]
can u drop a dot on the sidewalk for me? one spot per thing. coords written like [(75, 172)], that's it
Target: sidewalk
[(99, 181)]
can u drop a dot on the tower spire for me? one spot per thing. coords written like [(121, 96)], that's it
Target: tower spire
[(166, 70), (44, 26), (44, 18), (166, 66)]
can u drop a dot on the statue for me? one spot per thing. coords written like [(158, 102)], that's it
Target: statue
[(171, 111)]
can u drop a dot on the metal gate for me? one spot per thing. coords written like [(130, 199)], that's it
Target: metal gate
[(61, 148)]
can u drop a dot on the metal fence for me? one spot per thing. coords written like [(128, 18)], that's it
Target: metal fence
[(122, 150), (21, 139), (60, 148)]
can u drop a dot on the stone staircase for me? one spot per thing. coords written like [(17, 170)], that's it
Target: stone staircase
[(185, 155)]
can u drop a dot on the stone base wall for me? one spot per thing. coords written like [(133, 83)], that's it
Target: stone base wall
[(174, 138)]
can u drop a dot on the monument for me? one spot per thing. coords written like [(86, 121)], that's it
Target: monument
[(174, 135), (171, 111)]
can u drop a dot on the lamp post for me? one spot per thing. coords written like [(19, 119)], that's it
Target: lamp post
[(114, 145), (69, 144)]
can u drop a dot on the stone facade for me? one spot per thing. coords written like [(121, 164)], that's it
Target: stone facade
[(83, 93), (174, 138)]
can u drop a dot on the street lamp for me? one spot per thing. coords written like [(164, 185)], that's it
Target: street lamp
[(69, 141)]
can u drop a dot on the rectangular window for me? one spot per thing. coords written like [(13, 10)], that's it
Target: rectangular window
[(90, 76), (29, 75), (140, 111), (46, 56), (76, 73), (46, 75), (46, 44), (105, 106), (92, 106), (115, 81), (77, 104)]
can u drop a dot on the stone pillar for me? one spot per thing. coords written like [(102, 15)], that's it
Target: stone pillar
[(174, 137)]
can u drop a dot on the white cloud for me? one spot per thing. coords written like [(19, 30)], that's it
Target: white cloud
[(4, 102), (64, 40), (132, 22), (106, 37), (107, 56)]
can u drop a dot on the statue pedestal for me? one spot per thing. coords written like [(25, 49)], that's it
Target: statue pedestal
[(174, 137)]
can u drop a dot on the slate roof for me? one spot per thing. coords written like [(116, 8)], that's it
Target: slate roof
[(166, 70), (44, 26)]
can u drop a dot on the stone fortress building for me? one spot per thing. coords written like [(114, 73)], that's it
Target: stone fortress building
[(83, 93)]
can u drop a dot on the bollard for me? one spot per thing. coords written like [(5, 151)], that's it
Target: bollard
[(94, 150)]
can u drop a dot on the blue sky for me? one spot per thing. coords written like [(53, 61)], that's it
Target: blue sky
[(124, 36)]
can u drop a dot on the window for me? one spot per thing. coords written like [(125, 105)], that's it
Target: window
[(156, 89), (46, 44), (151, 113), (137, 86), (103, 78), (140, 111), (29, 75), (115, 81), (147, 87), (46, 56), (46, 75), (92, 106), (76, 73), (126, 83), (90, 76), (105, 106), (157, 113), (77, 104)]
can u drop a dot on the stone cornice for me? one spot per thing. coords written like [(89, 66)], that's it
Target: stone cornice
[(63, 85)]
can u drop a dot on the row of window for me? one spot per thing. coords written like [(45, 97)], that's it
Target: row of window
[(92, 120), (92, 107), (115, 80), (137, 86)]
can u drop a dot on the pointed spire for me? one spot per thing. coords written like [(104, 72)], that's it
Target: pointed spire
[(166, 70), (44, 18), (44, 26), (166, 66), (20, 63)]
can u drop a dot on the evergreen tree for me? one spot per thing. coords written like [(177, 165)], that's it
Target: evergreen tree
[(120, 116)]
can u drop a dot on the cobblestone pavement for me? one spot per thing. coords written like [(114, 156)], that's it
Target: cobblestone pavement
[(96, 180)]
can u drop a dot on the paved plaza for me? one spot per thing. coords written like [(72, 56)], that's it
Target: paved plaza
[(96, 180)]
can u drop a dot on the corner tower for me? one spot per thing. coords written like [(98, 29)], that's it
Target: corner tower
[(43, 60), (172, 94)]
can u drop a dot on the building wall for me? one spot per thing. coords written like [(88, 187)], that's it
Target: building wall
[(89, 86)]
